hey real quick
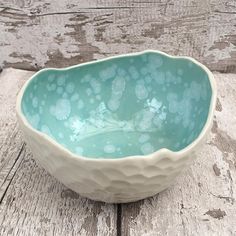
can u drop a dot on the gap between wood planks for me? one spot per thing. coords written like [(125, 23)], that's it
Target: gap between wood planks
[(13, 171)]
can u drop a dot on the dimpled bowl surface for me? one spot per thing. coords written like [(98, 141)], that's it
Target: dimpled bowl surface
[(119, 129)]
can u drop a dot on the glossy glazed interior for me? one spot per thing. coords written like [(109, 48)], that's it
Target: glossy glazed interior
[(126, 106)]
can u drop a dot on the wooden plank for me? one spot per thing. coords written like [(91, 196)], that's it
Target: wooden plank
[(11, 143), (202, 201), (32, 201), (36, 34), (36, 204)]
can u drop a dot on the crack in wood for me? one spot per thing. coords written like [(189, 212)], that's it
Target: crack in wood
[(119, 220), (226, 12), (15, 171)]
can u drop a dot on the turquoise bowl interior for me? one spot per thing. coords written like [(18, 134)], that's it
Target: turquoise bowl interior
[(123, 106)]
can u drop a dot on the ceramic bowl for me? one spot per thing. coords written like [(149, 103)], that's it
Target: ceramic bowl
[(118, 129)]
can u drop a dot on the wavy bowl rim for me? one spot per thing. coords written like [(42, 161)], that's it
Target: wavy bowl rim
[(173, 155)]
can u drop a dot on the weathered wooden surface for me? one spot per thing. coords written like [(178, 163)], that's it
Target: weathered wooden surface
[(44, 33), (11, 143), (202, 202), (31, 201)]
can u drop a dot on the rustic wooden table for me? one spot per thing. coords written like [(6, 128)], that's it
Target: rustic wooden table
[(43, 33)]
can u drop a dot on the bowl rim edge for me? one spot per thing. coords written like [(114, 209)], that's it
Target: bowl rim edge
[(173, 155)]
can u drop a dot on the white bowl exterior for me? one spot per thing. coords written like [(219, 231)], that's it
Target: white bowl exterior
[(113, 180)]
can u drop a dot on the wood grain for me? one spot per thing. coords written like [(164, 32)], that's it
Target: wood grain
[(31, 201), (11, 143), (41, 33), (202, 202), (36, 204)]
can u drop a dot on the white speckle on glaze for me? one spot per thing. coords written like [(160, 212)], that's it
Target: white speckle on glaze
[(118, 85), (91, 100), (52, 110), (74, 97), (96, 86), (177, 119), (130, 144), (163, 89), (159, 77), (92, 113), (70, 87), (79, 150), (143, 120), (35, 102), (162, 115), (49, 87), (51, 77), (45, 129), (61, 110), (178, 79), (88, 91), (59, 90), (161, 140), (155, 60), (76, 125), (65, 95), (121, 72), (141, 91), (173, 106), (154, 105), (169, 77), (109, 148), (149, 89), (98, 97), (148, 79), (86, 78), (61, 135), (40, 110), (133, 72), (108, 73), (113, 104), (195, 91), (147, 148), (34, 120), (143, 138), (144, 70), (177, 145), (157, 121), (61, 80), (53, 87), (80, 104), (171, 97)]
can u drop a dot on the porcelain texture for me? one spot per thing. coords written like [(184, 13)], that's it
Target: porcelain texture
[(119, 129)]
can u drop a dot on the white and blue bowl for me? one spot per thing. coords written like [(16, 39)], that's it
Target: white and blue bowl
[(118, 129)]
